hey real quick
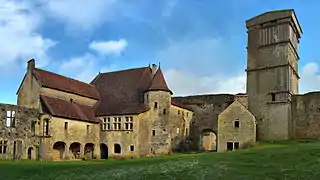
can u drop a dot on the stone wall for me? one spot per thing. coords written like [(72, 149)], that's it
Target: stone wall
[(206, 110), (236, 125), (306, 116), (23, 136)]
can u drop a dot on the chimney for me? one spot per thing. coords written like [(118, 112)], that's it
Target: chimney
[(154, 69), (31, 64)]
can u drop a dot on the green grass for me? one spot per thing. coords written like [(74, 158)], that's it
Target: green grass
[(278, 160)]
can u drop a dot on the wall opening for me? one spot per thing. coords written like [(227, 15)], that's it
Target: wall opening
[(229, 146), (31, 153), (58, 150), (74, 150), (209, 139), (103, 151), (88, 150), (117, 148)]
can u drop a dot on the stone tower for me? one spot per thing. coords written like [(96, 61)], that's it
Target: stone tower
[(272, 71)]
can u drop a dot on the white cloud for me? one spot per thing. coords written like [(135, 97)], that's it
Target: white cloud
[(82, 14), (183, 83), (81, 68), (19, 40), (310, 78), (109, 47), (198, 66)]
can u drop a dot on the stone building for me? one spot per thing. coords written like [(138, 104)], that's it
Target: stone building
[(126, 113)]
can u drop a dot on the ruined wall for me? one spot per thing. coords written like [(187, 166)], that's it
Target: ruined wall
[(306, 116), (206, 110), (244, 132), (180, 122), (22, 136)]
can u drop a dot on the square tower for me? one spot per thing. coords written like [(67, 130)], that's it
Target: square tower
[(272, 71)]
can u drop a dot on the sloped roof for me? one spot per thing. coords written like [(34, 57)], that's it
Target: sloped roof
[(159, 82), (62, 83), (121, 92), (67, 109), (178, 104)]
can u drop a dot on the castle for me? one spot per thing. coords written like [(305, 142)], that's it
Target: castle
[(131, 113)]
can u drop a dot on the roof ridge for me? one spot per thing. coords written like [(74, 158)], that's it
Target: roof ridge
[(123, 70), (64, 76)]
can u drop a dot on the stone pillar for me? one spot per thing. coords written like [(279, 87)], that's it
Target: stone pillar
[(66, 151), (82, 150)]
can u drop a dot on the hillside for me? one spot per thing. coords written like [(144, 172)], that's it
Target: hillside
[(282, 160)]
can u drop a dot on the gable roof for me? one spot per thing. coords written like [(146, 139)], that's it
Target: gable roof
[(62, 83), (122, 92), (67, 109), (159, 82)]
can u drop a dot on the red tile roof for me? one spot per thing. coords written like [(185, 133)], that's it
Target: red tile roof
[(121, 92), (67, 109), (159, 83), (62, 83)]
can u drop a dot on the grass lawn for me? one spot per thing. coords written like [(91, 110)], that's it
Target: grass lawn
[(281, 160)]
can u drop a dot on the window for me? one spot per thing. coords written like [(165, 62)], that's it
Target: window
[(132, 148), (3, 146), (236, 145), (88, 128), (236, 124), (273, 96), (33, 127), (178, 112), (178, 130), (187, 114), (187, 131), (10, 119), (46, 127), (65, 125), (156, 105), (117, 123), (106, 124), (164, 111), (153, 132), (117, 148), (129, 123)]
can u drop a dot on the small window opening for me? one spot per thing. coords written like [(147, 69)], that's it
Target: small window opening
[(236, 145), (153, 132), (229, 146), (273, 96), (156, 105), (164, 111), (236, 124), (132, 148), (65, 125)]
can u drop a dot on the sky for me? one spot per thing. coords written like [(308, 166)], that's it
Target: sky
[(200, 44)]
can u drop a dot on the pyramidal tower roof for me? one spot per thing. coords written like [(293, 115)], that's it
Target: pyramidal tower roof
[(159, 82)]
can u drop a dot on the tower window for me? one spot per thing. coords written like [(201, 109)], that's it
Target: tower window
[(156, 105), (65, 125), (273, 96), (236, 124), (153, 132), (164, 111)]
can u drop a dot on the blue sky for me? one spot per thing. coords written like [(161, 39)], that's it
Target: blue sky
[(199, 43)]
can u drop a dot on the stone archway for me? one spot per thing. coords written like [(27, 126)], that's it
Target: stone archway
[(59, 150), (75, 150), (103, 151), (208, 140), (88, 150)]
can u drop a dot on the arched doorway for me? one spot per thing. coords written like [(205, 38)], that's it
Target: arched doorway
[(103, 151), (88, 150), (209, 140), (58, 150), (30, 153), (117, 149), (74, 150)]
